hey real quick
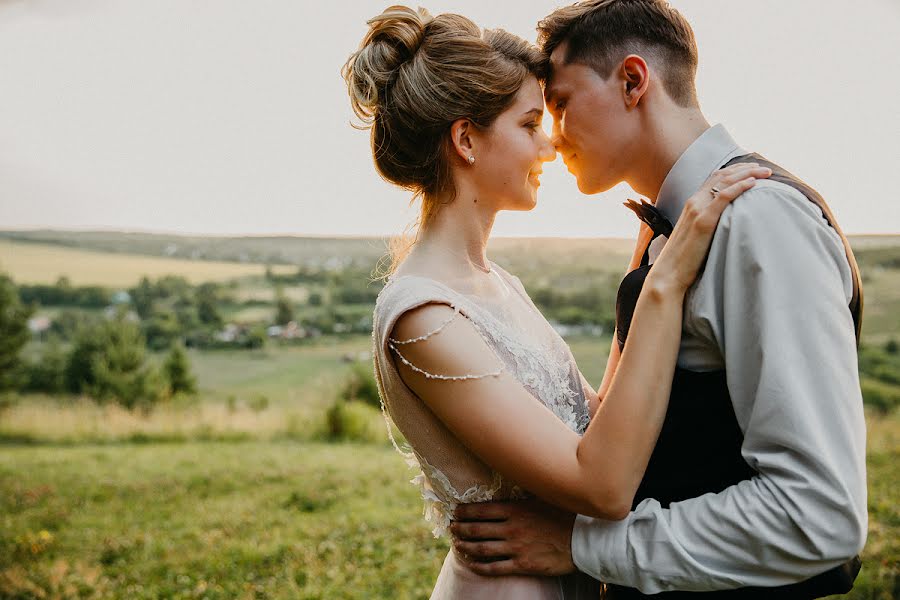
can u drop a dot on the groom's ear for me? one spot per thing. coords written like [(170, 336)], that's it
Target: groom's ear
[(634, 75), (461, 138)]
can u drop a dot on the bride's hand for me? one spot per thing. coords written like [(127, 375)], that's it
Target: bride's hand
[(687, 247)]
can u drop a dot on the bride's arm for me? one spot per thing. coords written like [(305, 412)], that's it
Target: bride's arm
[(514, 433)]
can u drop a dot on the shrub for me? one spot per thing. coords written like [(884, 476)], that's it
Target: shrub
[(284, 308), (177, 370), (882, 397), (48, 372), (352, 421), (14, 335), (259, 403), (360, 385)]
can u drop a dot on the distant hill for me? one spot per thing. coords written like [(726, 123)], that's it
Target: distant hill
[(119, 259), (361, 251), (519, 254), (260, 250)]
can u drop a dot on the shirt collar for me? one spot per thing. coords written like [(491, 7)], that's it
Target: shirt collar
[(711, 150)]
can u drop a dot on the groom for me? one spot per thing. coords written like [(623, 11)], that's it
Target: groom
[(757, 486)]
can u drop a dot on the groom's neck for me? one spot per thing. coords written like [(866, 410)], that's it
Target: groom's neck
[(669, 133)]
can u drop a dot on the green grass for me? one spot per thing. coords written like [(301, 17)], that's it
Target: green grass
[(268, 520), (239, 520), (285, 374), (591, 354)]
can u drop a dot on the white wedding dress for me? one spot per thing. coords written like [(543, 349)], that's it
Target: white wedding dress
[(530, 350)]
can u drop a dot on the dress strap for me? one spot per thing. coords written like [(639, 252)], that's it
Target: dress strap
[(392, 343)]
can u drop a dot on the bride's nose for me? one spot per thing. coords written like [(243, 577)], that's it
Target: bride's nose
[(548, 152)]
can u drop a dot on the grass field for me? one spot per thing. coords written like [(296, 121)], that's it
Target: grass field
[(272, 520), (278, 392), (212, 520), (214, 502)]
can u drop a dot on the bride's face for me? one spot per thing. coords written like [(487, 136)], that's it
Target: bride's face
[(512, 152)]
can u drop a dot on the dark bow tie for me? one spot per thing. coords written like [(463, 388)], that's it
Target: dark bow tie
[(652, 216)]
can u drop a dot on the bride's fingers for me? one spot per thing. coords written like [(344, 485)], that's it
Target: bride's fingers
[(708, 217), (700, 215), (721, 176), (728, 195), (727, 178)]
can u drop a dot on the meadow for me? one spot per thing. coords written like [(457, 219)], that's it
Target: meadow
[(238, 491), (45, 263)]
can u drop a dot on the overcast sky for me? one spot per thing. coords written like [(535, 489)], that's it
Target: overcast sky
[(227, 117)]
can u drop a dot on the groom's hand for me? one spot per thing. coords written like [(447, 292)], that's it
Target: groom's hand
[(524, 537)]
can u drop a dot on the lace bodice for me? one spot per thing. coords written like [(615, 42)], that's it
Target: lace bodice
[(526, 346)]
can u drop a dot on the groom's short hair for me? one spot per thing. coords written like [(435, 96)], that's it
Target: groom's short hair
[(600, 33)]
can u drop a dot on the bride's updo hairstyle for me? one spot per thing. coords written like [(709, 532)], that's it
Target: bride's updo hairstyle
[(414, 75)]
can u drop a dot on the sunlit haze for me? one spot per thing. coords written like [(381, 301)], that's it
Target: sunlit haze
[(231, 117)]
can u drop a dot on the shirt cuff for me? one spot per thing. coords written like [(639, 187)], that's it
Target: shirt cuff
[(598, 549)]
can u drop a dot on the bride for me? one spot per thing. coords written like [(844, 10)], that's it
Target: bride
[(487, 394)]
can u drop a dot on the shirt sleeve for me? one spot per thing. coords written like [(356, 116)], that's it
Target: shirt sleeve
[(774, 300)]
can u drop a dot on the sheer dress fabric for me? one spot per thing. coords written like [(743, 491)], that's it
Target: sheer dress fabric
[(528, 348)]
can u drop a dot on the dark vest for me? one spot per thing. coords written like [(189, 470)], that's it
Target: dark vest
[(699, 446)]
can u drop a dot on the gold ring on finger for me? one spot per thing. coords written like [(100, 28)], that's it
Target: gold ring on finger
[(715, 192)]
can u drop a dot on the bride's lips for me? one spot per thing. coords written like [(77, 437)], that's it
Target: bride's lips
[(533, 178)]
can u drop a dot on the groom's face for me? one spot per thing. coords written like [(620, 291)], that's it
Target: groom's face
[(591, 128)]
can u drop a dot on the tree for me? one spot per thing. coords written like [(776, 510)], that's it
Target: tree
[(14, 334), (284, 312), (142, 297), (47, 373), (161, 328), (207, 300), (109, 362), (177, 370), (255, 338)]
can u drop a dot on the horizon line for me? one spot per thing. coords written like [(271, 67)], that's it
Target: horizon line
[(163, 232)]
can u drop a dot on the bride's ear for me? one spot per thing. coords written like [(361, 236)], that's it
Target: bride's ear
[(461, 134)]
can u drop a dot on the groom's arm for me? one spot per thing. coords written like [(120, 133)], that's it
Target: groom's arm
[(774, 299)]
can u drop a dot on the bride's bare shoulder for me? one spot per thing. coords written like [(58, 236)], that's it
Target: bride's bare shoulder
[(422, 320)]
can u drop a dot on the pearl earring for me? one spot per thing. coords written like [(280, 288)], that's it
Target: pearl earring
[(471, 160)]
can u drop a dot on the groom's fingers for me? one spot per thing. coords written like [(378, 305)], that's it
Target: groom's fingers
[(484, 550), (483, 511), (479, 530), (494, 569)]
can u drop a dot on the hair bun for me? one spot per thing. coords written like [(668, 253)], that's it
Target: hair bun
[(392, 40)]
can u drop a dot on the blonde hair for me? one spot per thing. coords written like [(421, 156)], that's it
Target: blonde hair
[(412, 77)]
